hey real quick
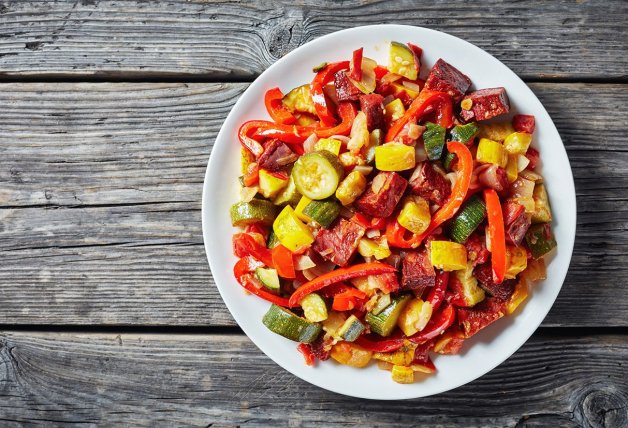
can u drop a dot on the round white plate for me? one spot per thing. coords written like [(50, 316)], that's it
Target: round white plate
[(485, 350)]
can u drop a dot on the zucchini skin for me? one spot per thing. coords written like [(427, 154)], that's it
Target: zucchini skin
[(255, 211), (467, 220), (322, 212), (385, 322), (285, 323), (434, 140)]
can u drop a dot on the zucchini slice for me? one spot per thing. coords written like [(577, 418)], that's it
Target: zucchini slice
[(255, 211), (283, 322), (434, 140), (322, 212), (351, 329), (467, 220), (384, 322), (314, 308), (269, 278), (317, 174), (401, 61)]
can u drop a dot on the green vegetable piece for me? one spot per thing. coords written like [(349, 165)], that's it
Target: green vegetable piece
[(285, 323), (472, 213), (319, 67), (323, 212), (288, 195), (448, 158), (464, 133), (540, 239), (272, 240), (299, 99), (255, 211), (269, 278), (314, 308), (434, 140), (316, 175), (384, 322), (351, 329)]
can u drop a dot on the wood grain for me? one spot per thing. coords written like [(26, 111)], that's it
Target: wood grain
[(199, 380), (101, 190), (238, 40)]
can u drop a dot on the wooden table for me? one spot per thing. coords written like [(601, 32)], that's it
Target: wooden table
[(108, 311)]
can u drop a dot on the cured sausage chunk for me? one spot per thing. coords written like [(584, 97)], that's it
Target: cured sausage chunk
[(339, 243), (429, 184), (345, 90), (383, 195), (417, 273), (444, 77), (486, 104), (373, 107), (277, 155)]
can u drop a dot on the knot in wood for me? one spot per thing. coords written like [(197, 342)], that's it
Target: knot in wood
[(285, 36), (603, 407)]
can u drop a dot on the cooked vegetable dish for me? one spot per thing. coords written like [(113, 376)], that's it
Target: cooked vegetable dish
[(383, 217)]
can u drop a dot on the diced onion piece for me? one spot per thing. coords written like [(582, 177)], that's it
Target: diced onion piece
[(522, 188), (532, 176), (310, 143), (391, 77), (248, 193), (420, 155), (363, 169), (342, 138), (412, 86), (415, 131), (522, 162), (372, 233), (304, 262)]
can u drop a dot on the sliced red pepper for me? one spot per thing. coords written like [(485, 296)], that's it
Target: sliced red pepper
[(424, 103), (242, 271), (251, 178), (245, 245), (283, 261), (245, 135), (308, 355), (276, 109), (361, 219), (355, 67), (436, 295), (438, 324), (348, 299), (347, 112), (380, 71), (259, 229), (246, 264), (379, 223), (332, 290), (291, 134), (342, 274), (373, 343), (323, 77), (496, 234)]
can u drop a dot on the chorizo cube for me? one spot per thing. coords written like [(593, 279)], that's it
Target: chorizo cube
[(444, 77), (373, 107), (276, 156), (382, 195), (484, 275), (345, 90), (481, 315), (486, 104), (516, 222), (523, 123), (430, 184), (417, 272), (339, 243)]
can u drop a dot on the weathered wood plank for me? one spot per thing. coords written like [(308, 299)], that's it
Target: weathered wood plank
[(143, 380), (235, 40), (118, 170)]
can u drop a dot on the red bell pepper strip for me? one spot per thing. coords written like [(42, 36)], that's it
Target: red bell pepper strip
[(308, 355), (380, 71), (291, 134), (342, 274), (347, 112), (361, 219), (332, 290), (244, 134), (276, 109), (242, 271), (246, 264), (348, 299), (496, 234), (283, 262), (425, 102), (323, 77), (245, 245), (436, 295), (355, 67), (372, 343), (438, 324)]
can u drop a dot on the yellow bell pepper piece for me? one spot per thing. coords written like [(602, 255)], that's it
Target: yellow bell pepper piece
[(402, 356), (270, 185), (496, 131), (472, 292), (298, 210), (517, 143), (350, 354), (399, 87), (246, 157), (518, 296), (402, 374), (415, 316), (516, 261), (394, 157), (372, 248), (292, 232), (512, 170), (394, 110), (330, 144), (351, 187), (415, 215), (490, 151), (448, 256)]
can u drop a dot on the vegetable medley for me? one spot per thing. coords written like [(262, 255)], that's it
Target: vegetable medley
[(383, 218)]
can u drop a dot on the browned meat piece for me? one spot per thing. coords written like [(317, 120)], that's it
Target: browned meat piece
[(481, 315), (340, 242), (345, 90), (444, 77), (486, 104), (417, 273), (383, 195), (523, 123), (476, 249), (516, 222), (430, 184), (484, 274), (276, 156), (373, 107)]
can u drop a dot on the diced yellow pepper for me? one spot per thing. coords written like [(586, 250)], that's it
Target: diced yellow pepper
[(490, 151), (518, 296), (411, 93), (496, 131), (471, 291), (298, 210), (402, 374), (512, 170), (350, 354), (448, 256), (270, 185), (394, 157), (330, 144), (536, 270), (516, 261), (246, 157), (517, 143), (394, 110), (292, 232), (351, 187), (305, 119), (415, 215), (542, 212), (402, 356), (414, 316), (372, 248)]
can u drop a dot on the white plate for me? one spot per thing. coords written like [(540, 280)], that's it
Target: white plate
[(488, 348)]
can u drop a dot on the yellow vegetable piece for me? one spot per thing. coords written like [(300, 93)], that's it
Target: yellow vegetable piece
[(402, 356), (415, 316), (394, 110), (350, 354), (372, 248), (542, 212), (299, 99), (536, 270), (401, 61), (394, 157), (496, 131), (415, 215), (330, 144), (518, 296), (490, 151), (473, 294), (314, 308), (270, 185), (512, 169), (305, 119), (516, 261), (334, 321), (298, 210), (348, 159), (402, 374), (246, 157), (517, 143), (466, 104), (291, 232), (421, 368), (351, 187), (448, 256), (411, 93)]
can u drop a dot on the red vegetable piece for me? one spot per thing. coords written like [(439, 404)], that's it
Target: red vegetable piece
[(276, 109), (496, 234), (438, 324), (347, 112), (339, 243), (355, 68), (486, 104), (276, 156), (444, 77), (283, 261), (322, 105), (481, 315), (436, 295), (345, 89), (308, 355), (523, 123), (533, 156), (382, 195), (422, 352), (245, 245), (372, 342), (516, 222)]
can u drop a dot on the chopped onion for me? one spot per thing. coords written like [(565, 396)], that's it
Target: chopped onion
[(309, 143), (248, 193), (304, 262), (308, 274), (522, 163), (378, 182), (372, 233), (523, 188), (411, 85), (415, 131), (363, 169), (452, 177), (391, 77), (342, 138), (531, 175), (368, 83)]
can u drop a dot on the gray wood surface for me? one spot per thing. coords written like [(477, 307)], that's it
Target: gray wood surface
[(225, 380), (101, 193), (238, 40)]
